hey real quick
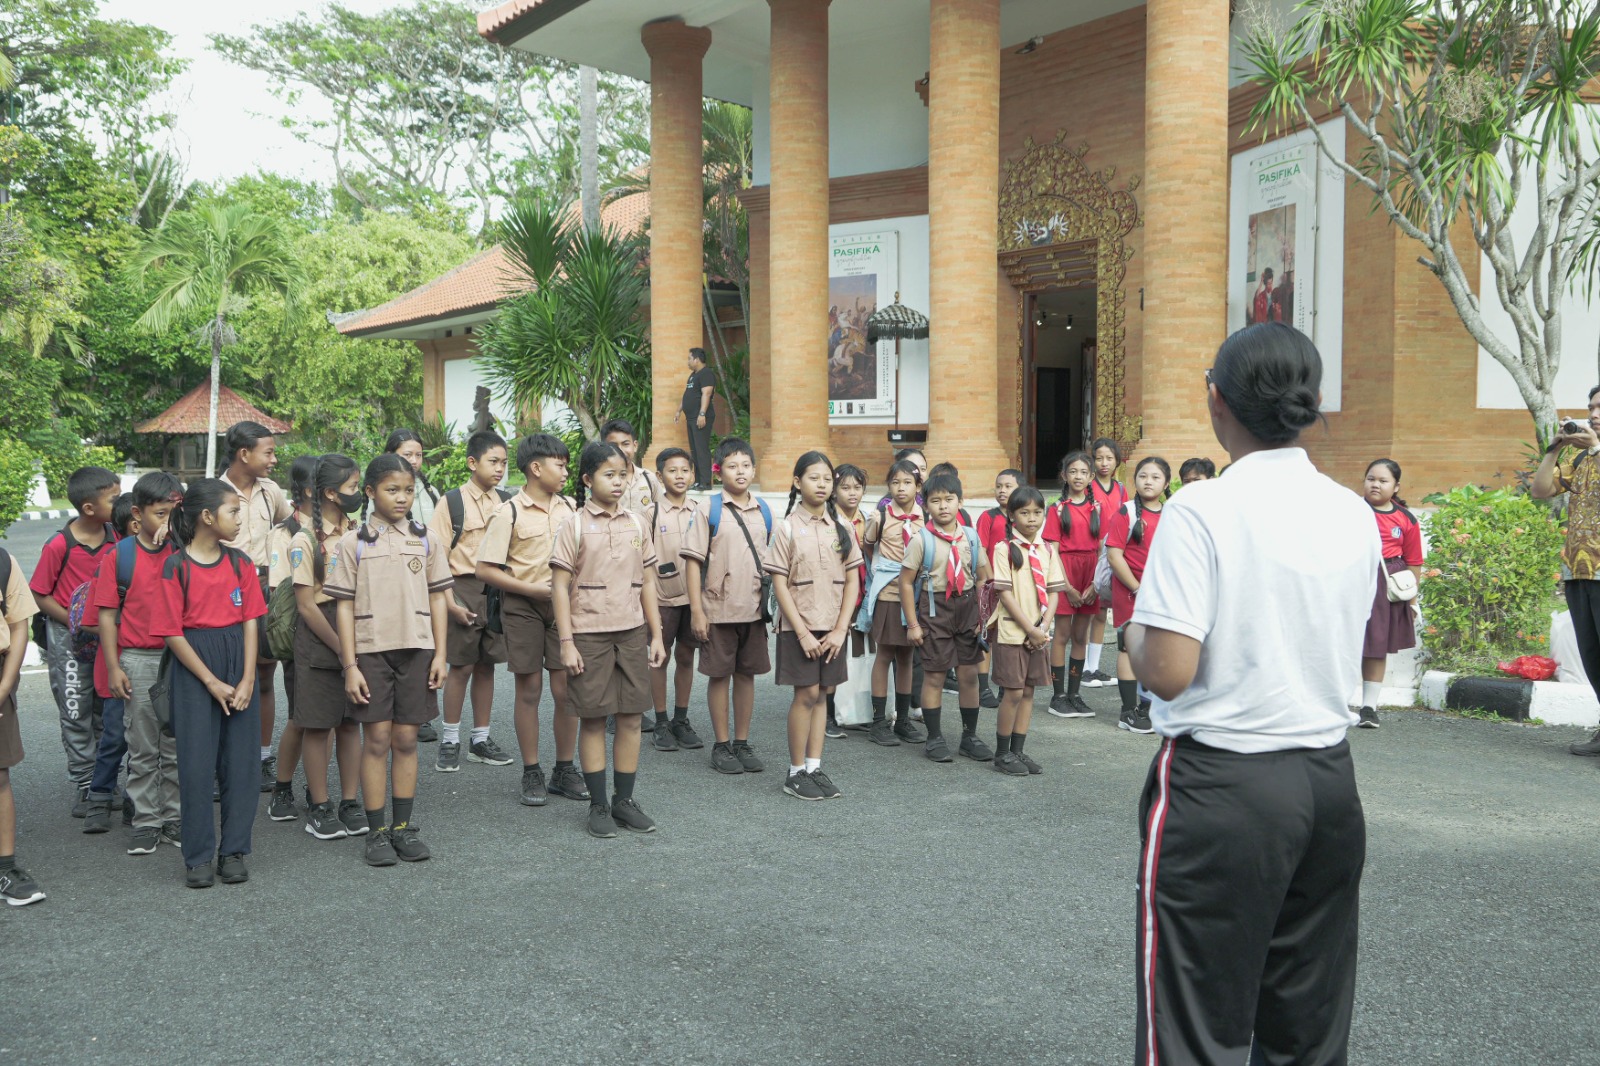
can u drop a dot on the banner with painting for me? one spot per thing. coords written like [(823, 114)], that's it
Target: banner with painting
[(863, 274)]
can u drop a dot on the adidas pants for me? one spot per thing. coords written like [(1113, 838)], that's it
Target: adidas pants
[(1248, 899), (72, 684)]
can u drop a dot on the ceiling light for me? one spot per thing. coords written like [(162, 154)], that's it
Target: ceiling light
[(1038, 319), (1069, 321)]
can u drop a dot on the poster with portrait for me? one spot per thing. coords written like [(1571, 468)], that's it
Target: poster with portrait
[(862, 276)]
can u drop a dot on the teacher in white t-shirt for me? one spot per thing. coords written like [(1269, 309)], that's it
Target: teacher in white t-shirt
[(1248, 631)]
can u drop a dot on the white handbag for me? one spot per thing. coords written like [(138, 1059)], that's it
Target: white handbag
[(852, 700), (1402, 585)]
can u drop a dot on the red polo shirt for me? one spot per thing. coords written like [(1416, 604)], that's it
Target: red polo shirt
[(217, 596), (61, 571)]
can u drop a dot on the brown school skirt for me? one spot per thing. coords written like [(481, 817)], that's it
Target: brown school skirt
[(888, 627), (1014, 666), (950, 634), (10, 732), (1392, 626), (797, 670), (316, 681), (616, 674)]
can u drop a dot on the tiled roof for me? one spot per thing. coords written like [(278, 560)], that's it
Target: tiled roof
[(192, 413), (479, 283), (496, 19)]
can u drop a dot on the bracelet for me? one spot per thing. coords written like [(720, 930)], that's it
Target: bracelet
[(347, 669), (568, 640)]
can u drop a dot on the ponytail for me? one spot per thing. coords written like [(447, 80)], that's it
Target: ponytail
[(839, 527), (204, 494)]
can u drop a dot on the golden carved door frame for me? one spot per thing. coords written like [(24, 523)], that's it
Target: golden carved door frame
[(1063, 226)]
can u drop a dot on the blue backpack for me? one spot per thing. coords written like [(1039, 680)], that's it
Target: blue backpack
[(925, 573)]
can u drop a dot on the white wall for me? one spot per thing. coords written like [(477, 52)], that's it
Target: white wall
[(461, 380)]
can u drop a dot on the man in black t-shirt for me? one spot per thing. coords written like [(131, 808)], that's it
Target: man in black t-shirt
[(701, 412)]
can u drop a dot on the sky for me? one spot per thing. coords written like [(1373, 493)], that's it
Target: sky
[(226, 115)]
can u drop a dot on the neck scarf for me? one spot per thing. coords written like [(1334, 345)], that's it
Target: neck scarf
[(1036, 564), (955, 581), (905, 521)]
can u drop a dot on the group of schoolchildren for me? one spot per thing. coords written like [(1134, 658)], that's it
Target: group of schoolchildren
[(162, 648)]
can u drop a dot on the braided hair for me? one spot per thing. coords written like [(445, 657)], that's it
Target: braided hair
[(1022, 496), (380, 468), (1062, 509), (1136, 533), (801, 465), (592, 458), (330, 472)]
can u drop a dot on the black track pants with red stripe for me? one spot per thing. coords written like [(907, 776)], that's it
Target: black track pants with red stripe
[(1249, 898)]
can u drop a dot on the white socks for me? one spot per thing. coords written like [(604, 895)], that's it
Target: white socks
[(479, 735), (266, 752), (449, 732), (1091, 660), (795, 770), (813, 765), (1370, 691)]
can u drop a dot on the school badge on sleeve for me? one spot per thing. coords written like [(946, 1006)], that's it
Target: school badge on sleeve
[(237, 598)]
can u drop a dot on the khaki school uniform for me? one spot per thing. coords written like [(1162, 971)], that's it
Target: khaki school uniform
[(731, 596), (519, 539), (807, 551), (949, 623), (318, 682), (390, 580), (261, 509), (669, 525), (887, 536), (466, 645), (1012, 664), (642, 492), (20, 607), (607, 553)]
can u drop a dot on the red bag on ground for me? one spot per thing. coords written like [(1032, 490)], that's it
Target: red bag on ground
[(1531, 667)]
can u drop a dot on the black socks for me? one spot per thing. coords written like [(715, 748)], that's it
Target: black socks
[(1002, 744), (529, 766), (563, 764), (661, 718), (375, 818), (624, 783), (1130, 695), (402, 811), (8, 862), (1074, 677), (680, 714), (880, 708), (969, 721), (830, 705), (930, 721), (1017, 740), (597, 786), (902, 706), (1056, 678), (983, 682)]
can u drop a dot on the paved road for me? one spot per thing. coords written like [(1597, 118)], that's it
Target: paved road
[(26, 538), (936, 914)]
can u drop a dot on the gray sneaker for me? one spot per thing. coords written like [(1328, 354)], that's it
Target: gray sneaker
[(80, 803), (281, 807), (663, 738), (825, 783), (1008, 763), (145, 839), (172, 834), (747, 758), (724, 761), (801, 787), (269, 773), (379, 850), (975, 749), (684, 733), (408, 845), (882, 733), (353, 818), (322, 822), (601, 824), (909, 731), (568, 781), (1369, 720), (630, 816), (97, 816), (427, 733), (448, 761), (534, 793), (488, 752)]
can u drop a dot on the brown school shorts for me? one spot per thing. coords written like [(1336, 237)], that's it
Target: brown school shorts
[(531, 641), (795, 669), (735, 648), (10, 733), (473, 644), (616, 674), (397, 687), (319, 699), (950, 635), (1014, 666), (888, 627), (263, 650), (675, 628)]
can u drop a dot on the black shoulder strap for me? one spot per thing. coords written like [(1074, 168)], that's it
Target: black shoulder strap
[(66, 535), (5, 579), (754, 554), (458, 515), (503, 494)]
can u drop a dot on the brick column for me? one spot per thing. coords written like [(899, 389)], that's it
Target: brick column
[(677, 261), (797, 279), (963, 209), (1185, 220)]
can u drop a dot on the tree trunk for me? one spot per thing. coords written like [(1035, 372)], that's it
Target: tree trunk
[(216, 383), (589, 147)]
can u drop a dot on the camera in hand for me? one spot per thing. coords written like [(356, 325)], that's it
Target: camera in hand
[(1571, 427), (666, 570)]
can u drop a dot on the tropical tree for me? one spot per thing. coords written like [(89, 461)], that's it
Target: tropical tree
[(1474, 113), (215, 258), (579, 336)]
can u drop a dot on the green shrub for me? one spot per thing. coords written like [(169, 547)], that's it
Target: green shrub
[(104, 455), (1490, 578), (16, 480), (60, 450)]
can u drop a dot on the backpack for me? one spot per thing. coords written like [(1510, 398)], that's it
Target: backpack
[(283, 613), (925, 573), (5, 583), (41, 630), (1102, 569), (493, 595), (85, 644), (769, 598)]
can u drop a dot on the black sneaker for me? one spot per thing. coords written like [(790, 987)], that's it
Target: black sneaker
[(568, 781), (1097, 678), (882, 733), (80, 802), (801, 787), (427, 733), (269, 773), (909, 731), (630, 816), (601, 824), (488, 752), (231, 870), (281, 808), (534, 793), (1008, 763), (448, 760), (1079, 708), (724, 761), (406, 844), (747, 758), (322, 822), (974, 749), (1059, 706), (685, 734), (380, 849), (1033, 767), (145, 839), (97, 816), (172, 834), (18, 889), (937, 750), (200, 876), (663, 738), (833, 730), (825, 783), (647, 724), (353, 817), (1586, 747), (988, 698), (1135, 722), (1369, 720), (952, 683)]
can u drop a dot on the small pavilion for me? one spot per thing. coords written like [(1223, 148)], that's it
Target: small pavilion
[(190, 416)]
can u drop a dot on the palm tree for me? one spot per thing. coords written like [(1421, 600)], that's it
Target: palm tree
[(215, 257)]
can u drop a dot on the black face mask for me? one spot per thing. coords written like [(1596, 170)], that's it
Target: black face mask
[(350, 502)]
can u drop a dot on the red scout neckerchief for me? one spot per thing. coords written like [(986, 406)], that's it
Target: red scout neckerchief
[(905, 521), (955, 581), (1037, 565)]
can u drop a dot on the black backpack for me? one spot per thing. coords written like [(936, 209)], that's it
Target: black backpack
[(494, 597)]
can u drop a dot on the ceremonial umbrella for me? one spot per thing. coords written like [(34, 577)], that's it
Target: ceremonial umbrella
[(902, 323)]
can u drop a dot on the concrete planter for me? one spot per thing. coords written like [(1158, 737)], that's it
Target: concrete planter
[(1555, 702)]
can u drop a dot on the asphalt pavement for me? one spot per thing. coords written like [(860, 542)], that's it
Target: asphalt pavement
[(935, 914)]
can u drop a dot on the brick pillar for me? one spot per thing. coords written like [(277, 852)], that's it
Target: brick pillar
[(677, 153), (797, 281), (757, 336), (963, 209), (1185, 220)]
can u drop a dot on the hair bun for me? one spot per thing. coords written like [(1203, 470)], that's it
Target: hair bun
[(1297, 408)]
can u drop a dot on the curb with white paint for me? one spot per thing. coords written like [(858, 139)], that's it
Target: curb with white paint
[(38, 516), (1554, 702)]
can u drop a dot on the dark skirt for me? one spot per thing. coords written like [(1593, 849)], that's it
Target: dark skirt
[(1392, 626)]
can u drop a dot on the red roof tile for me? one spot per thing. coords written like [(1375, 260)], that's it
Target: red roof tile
[(496, 19), (192, 413)]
